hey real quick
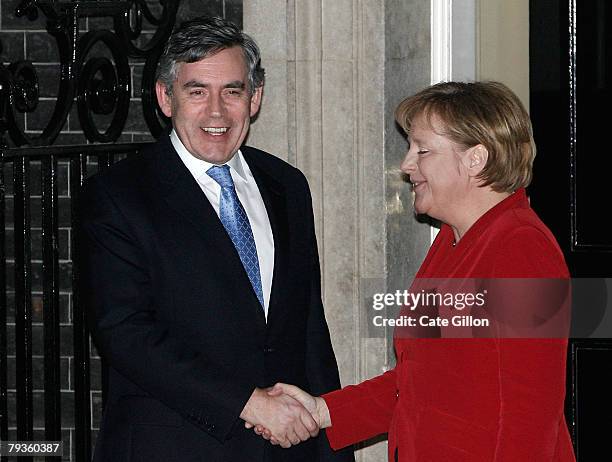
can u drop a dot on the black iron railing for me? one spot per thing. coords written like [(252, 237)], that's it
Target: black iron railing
[(98, 83), (80, 160)]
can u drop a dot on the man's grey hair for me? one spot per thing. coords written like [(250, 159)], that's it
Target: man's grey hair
[(201, 37)]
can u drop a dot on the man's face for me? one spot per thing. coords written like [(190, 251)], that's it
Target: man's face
[(210, 105)]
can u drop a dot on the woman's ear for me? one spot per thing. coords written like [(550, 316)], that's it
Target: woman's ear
[(475, 159)]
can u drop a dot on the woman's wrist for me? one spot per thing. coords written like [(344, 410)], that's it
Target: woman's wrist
[(323, 413)]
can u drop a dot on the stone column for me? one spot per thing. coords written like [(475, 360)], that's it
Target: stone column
[(335, 71)]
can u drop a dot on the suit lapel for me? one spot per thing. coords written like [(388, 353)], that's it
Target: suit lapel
[(183, 194), (273, 195)]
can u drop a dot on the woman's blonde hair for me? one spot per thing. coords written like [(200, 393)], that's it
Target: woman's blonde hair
[(486, 113)]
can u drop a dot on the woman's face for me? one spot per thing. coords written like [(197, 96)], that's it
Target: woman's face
[(437, 171)]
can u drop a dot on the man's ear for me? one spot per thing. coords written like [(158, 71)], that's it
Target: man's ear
[(163, 98), (256, 101), (476, 159)]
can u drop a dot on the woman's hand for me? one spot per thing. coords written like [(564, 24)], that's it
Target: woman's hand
[(315, 405)]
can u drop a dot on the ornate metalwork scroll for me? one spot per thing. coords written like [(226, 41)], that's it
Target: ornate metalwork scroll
[(100, 85)]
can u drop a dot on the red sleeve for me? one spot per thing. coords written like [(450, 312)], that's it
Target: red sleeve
[(531, 371), (359, 412), (532, 388)]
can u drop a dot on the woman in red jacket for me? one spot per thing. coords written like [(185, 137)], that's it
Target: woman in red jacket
[(479, 399)]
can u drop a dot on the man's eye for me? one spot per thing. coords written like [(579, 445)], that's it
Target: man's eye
[(422, 151), (236, 92), (196, 92)]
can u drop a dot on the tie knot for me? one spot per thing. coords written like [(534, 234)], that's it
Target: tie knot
[(221, 174)]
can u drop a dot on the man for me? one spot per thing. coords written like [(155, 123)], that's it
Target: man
[(200, 269)]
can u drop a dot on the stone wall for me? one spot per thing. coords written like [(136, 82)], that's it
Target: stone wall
[(335, 72)]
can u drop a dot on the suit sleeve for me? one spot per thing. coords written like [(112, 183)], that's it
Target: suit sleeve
[(116, 288), (321, 366), (531, 370)]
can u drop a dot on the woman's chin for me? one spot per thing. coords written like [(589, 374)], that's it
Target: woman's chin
[(424, 209), (419, 207)]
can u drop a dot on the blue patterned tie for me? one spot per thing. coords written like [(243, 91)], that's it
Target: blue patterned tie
[(237, 225)]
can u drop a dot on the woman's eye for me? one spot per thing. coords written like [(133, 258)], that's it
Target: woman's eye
[(422, 151)]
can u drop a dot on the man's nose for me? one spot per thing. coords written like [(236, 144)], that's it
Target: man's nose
[(216, 106)]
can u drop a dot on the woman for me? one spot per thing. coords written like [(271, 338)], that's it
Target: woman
[(486, 399)]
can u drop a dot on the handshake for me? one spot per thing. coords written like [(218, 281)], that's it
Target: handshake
[(285, 415)]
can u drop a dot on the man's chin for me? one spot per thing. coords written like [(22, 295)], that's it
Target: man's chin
[(213, 156)]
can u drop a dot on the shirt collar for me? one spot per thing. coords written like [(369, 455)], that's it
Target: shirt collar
[(199, 167)]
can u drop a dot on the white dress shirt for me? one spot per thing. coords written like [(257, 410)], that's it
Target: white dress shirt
[(251, 200)]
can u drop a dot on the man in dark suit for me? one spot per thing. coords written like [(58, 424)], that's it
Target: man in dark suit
[(200, 269)]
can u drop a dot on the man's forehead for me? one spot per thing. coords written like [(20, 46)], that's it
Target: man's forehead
[(235, 55), (227, 65)]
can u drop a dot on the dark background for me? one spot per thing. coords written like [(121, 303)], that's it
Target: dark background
[(570, 83)]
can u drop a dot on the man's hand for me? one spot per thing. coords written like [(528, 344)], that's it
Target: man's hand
[(316, 406), (286, 420)]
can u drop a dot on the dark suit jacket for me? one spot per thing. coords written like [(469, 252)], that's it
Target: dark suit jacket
[(175, 317)]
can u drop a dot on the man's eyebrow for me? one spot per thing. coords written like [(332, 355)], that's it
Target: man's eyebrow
[(197, 84), (235, 84), (194, 84)]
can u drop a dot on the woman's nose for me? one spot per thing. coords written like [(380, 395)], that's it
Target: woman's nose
[(409, 164)]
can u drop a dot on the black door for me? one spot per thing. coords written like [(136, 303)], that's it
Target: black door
[(570, 104)]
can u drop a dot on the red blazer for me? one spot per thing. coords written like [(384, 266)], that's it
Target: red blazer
[(470, 399)]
